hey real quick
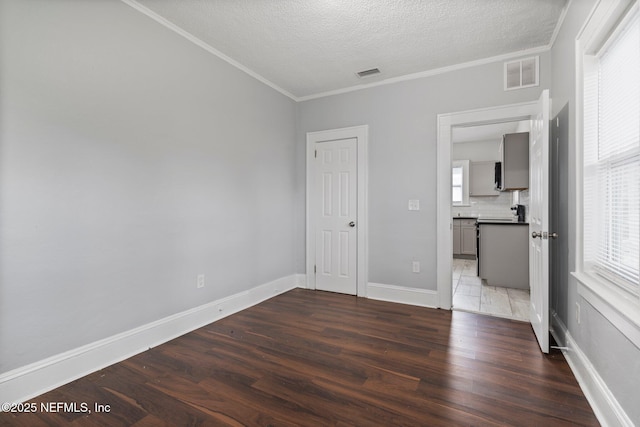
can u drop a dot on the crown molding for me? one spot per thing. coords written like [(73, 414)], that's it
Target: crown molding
[(195, 40), (430, 73), (556, 31)]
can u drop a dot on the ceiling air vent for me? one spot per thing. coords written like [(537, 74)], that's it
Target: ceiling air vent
[(368, 73), (521, 73)]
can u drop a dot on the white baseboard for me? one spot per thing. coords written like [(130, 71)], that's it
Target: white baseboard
[(602, 401), (558, 329), (403, 295), (301, 281), (26, 382)]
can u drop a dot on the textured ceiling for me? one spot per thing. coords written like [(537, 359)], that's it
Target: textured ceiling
[(310, 47)]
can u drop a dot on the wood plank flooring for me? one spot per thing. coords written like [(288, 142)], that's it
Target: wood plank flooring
[(309, 358)]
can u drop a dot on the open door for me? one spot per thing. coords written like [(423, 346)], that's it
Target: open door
[(539, 222)]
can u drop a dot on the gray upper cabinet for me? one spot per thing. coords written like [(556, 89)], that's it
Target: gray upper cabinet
[(514, 155), (482, 179)]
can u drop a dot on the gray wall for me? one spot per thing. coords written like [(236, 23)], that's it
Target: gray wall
[(130, 162), (402, 121), (613, 356)]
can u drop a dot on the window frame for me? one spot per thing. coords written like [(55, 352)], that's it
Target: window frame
[(464, 164), (620, 307)]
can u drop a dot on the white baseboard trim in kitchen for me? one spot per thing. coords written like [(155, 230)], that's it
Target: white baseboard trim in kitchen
[(32, 380), (602, 401), (402, 294)]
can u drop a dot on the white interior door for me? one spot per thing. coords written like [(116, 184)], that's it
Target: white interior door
[(336, 181), (539, 222)]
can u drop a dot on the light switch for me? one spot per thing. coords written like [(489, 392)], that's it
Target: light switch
[(414, 205), (416, 267)]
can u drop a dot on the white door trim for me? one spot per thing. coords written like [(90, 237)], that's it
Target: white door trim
[(503, 113), (361, 133)]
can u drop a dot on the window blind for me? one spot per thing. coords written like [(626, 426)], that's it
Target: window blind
[(612, 160)]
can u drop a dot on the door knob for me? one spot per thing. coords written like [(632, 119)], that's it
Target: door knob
[(535, 235), (352, 224), (553, 235)]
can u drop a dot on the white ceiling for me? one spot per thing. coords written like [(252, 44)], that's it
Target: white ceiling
[(306, 48)]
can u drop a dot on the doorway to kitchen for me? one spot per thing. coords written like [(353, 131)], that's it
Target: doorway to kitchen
[(490, 269), (538, 217)]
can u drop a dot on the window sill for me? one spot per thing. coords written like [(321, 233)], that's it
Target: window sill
[(622, 311)]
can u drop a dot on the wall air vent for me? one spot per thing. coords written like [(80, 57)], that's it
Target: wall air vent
[(521, 73), (368, 73)]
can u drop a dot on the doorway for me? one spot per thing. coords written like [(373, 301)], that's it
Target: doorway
[(538, 112), (478, 147), (446, 122)]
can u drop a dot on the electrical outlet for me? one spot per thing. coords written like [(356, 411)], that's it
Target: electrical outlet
[(200, 281), (416, 266), (578, 312), (414, 205)]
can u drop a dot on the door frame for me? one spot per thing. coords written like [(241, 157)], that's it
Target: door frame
[(361, 133), (444, 219)]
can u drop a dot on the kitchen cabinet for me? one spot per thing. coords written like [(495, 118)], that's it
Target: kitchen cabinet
[(457, 229), (482, 179), (464, 238), (503, 255), (468, 239), (514, 160)]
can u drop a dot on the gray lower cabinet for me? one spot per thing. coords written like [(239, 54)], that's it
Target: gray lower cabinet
[(468, 239), (464, 237), (456, 236), (504, 255)]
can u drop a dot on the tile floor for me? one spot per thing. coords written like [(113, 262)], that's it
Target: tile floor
[(470, 293)]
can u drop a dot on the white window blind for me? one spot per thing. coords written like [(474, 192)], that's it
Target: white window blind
[(612, 159)]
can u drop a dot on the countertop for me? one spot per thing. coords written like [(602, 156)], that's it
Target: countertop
[(505, 221), (494, 221)]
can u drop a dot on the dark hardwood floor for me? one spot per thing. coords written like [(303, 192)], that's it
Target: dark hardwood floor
[(309, 358)]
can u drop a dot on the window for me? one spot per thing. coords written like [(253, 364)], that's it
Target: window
[(460, 183), (612, 159), (456, 184), (608, 271)]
